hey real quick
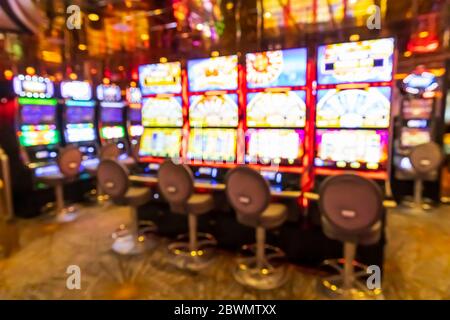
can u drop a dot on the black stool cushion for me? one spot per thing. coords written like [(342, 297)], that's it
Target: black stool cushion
[(274, 216), (371, 236)]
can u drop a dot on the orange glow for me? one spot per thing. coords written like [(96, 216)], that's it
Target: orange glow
[(106, 81), (424, 34), (8, 74), (73, 76), (30, 70)]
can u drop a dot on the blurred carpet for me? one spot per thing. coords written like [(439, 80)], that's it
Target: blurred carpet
[(417, 264)]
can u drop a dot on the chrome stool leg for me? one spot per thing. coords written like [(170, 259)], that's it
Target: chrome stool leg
[(194, 251), (417, 204), (261, 266)]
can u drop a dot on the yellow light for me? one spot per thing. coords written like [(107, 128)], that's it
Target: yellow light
[(199, 27), (407, 54), (163, 59), (121, 68), (264, 271), (141, 238), (133, 84), (355, 165), (200, 252), (229, 5), (267, 15), (82, 47), (106, 81), (423, 34), (8, 74), (73, 76), (215, 54), (30, 70), (354, 37), (93, 17), (193, 253), (145, 37)]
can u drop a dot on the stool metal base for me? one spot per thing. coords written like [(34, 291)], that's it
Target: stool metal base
[(180, 255), (333, 286), (412, 207), (270, 274), (65, 215), (95, 198), (126, 242)]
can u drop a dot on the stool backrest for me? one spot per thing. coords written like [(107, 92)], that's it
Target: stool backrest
[(112, 177), (351, 203), (69, 161), (109, 151), (247, 191), (426, 158), (176, 182)]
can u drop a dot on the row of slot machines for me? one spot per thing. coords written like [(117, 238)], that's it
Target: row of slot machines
[(283, 112), (39, 117)]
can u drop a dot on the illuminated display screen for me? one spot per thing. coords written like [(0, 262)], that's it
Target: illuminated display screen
[(112, 115), (354, 108), (134, 95), (38, 114), (112, 132), (214, 110), (274, 146), (356, 149), (35, 135), (76, 90), (212, 144), (162, 112), (33, 86), (281, 68), (447, 143), (220, 73), (109, 93), (419, 83), (136, 130), (160, 78), (276, 109), (80, 132), (417, 109), (135, 115), (164, 143), (78, 114), (362, 61), (411, 137), (447, 109)]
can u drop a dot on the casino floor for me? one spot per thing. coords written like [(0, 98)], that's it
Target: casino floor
[(417, 263)]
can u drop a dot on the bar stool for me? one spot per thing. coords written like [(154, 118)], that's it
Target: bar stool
[(261, 266), (69, 163), (113, 179), (351, 210), (425, 160), (176, 183)]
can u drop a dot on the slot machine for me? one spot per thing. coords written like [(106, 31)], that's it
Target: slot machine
[(445, 179), (353, 107), (111, 119), (30, 135), (417, 123), (134, 115), (276, 111), (212, 146), (78, 120), (162, 114)]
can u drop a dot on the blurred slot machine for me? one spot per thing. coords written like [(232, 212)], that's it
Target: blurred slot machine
[(276, 115), (30, 135), (134, 116), (353, 108), (445, 179), (111, 120), (162, 114), (79, 120), (213, 116), (417, 123)]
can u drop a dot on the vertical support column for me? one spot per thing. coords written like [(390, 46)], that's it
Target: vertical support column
[(260, 246), (349, 256), (134, 223), (193, 245), (418, 190), (59, 195)]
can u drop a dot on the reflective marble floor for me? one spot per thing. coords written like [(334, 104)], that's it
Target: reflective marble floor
[(417, 263)]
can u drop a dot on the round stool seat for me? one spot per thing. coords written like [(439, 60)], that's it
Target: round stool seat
[(272, 217), (369, 237), (137, 196), (426, 158), (200, 203)]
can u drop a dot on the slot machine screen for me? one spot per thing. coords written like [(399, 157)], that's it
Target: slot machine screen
[(417, 109), (36, 135), (160, 78), (112, 115), (361, 61), (135, 115), (447, 109), (276, 109), (112, 132), (162, 112), (411, 137), (76, 90), (79, 114), (212, 145), (160, 143), (356, 149), (38, 114), (274, 146), (280, 68), (214, 110), (353, 108), (219, 73), (78, 132)]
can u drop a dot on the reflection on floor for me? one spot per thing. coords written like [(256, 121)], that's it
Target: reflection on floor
[(417, 264)]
